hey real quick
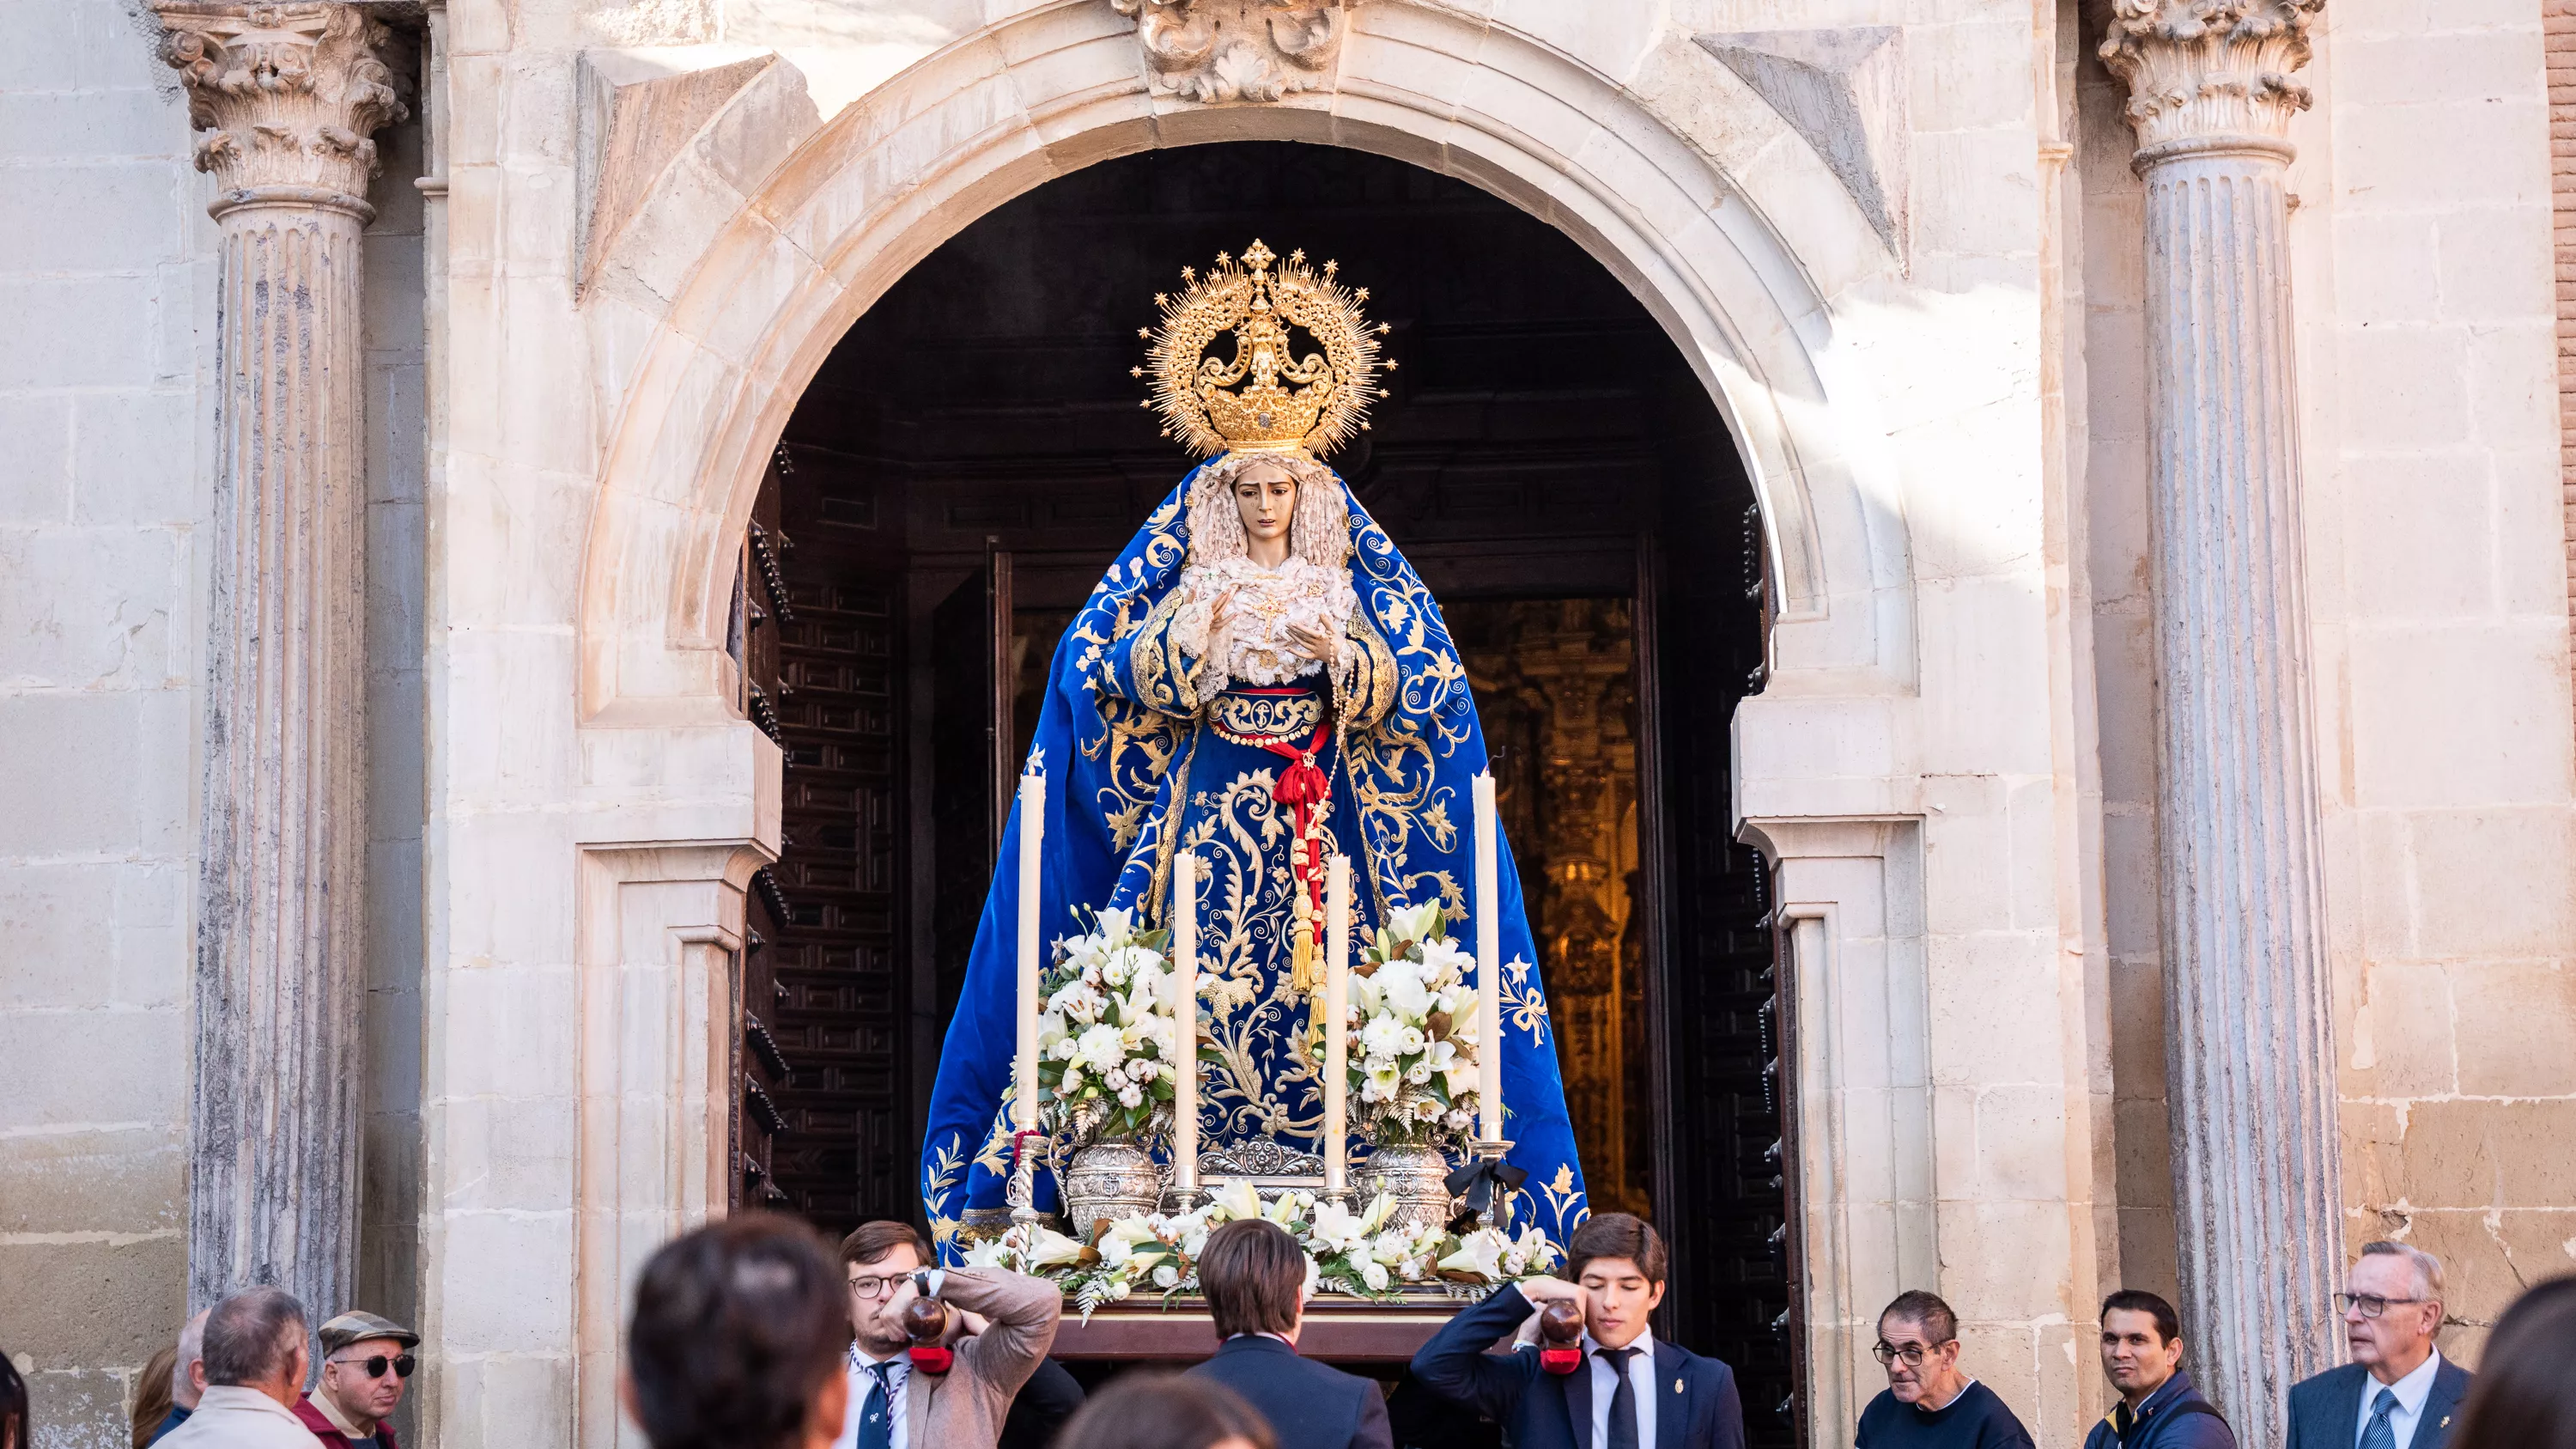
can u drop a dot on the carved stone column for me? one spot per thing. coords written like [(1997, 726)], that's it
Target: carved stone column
[(287, 96), (2249, 1027)]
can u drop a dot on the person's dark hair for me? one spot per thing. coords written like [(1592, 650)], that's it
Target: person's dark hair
[(251, 1337), (2139, 1300), (880, 1236), (1165, 1411), (737, 1327), (15, 1430), (1616, 1235), (1927, 1312), (2524, 1397), (1254, 1277), (151, 1396)]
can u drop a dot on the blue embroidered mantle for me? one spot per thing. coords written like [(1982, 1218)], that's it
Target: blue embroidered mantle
[(1137, 765)]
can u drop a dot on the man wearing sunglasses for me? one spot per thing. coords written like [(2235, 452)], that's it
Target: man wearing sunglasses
[(2398, 1392), (366, 1361)]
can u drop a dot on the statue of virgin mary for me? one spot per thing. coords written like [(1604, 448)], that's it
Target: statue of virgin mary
[(1262, 680)]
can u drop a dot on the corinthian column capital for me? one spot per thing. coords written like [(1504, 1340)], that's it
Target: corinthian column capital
[(288, 96), (2210, 74)]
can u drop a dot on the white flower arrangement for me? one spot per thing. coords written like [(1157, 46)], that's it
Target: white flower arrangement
[(1106, 1052), (1348, 1253), (1412, 1021)]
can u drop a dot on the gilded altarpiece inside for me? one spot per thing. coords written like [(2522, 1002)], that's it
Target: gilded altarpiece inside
[(1556, 683)]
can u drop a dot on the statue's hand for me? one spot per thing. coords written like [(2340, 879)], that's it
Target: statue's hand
[(1216, 615), (1315, 646)]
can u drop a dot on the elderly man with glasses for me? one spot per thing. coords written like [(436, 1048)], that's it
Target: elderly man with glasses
[(2398, 1392), (366, 1361), (1929, 1402)]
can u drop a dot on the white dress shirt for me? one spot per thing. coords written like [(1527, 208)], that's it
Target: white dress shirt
[(2411, 1392), (1641, 1377), (862, 1382)]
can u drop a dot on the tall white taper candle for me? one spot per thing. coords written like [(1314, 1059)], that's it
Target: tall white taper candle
[(1185, 1024), (1489, 966), (1024, 1066), (1337, 1028)]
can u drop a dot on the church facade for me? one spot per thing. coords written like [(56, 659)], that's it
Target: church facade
[(2022, 550)]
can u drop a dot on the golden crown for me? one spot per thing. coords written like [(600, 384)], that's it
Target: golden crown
[(1265, 399)]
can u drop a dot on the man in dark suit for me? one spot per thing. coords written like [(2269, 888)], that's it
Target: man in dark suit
[(2398, 1392), (1254, 1277), (1630, 1392)]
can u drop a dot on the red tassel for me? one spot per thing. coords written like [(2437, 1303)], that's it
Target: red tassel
[(1302, 787), (936, 1359), (1554, 1360)]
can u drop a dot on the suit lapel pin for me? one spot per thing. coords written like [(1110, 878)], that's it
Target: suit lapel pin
[(2446, 1421), (1677, 1388)]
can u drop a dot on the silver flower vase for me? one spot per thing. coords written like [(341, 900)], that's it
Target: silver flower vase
[(1109, 1180), (1414, 1178)]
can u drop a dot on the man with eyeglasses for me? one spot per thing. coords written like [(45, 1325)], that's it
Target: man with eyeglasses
[(1929, 1403), (2398, 1392), (1010, 1318), (366, 1362)]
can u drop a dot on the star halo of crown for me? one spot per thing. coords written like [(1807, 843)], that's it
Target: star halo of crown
[(1265, 398)]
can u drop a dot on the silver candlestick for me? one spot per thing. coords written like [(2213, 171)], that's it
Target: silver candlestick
[(1497, 1205)]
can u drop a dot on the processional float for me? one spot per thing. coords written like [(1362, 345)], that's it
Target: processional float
[(1243, 796)]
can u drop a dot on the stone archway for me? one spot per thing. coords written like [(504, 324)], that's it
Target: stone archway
[(731, 274), (776, 229)]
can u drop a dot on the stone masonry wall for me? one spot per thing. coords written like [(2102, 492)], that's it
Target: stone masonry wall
[(2440, 584), (105, 302), (2440, 617)]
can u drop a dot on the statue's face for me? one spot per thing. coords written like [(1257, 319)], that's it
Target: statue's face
[(1266, 497)]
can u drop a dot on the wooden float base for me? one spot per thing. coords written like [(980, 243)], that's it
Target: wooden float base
[(1343, 1331)]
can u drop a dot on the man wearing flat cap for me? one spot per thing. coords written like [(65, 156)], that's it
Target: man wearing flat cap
[(366, 1360)]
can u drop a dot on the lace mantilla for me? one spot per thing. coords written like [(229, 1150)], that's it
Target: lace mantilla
[(1256, 647)]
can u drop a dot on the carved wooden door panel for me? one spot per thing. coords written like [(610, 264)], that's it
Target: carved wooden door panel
[(823, 986), (1719, 992), (973, 761)]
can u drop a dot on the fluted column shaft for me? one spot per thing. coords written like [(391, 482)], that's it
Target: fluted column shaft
[(2249, 1025), (287, 95)]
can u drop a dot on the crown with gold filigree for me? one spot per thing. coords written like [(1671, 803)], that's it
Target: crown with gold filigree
[(1265, 398)]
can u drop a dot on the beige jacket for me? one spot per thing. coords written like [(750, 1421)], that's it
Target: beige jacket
[(237, 1418), (964, 1407)]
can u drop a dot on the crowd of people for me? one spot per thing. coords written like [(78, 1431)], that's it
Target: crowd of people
[(744, 1336)]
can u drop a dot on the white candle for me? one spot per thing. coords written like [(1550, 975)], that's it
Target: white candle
[(1337, 1030), (1024, 1112), (1489, 958), (1185, 1024)]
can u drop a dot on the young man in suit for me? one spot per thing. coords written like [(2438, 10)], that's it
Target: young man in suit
[(1012, 1320), (2142, 1357), (2398, 1392), (1254, 1278), (1630, 1391)]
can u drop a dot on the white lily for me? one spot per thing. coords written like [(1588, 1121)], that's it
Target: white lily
[(1238, 1199), (1480, 1253), (1052, 1249), (1117, 927)]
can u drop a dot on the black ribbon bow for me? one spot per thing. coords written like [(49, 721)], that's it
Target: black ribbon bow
[(1481, 1182)]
